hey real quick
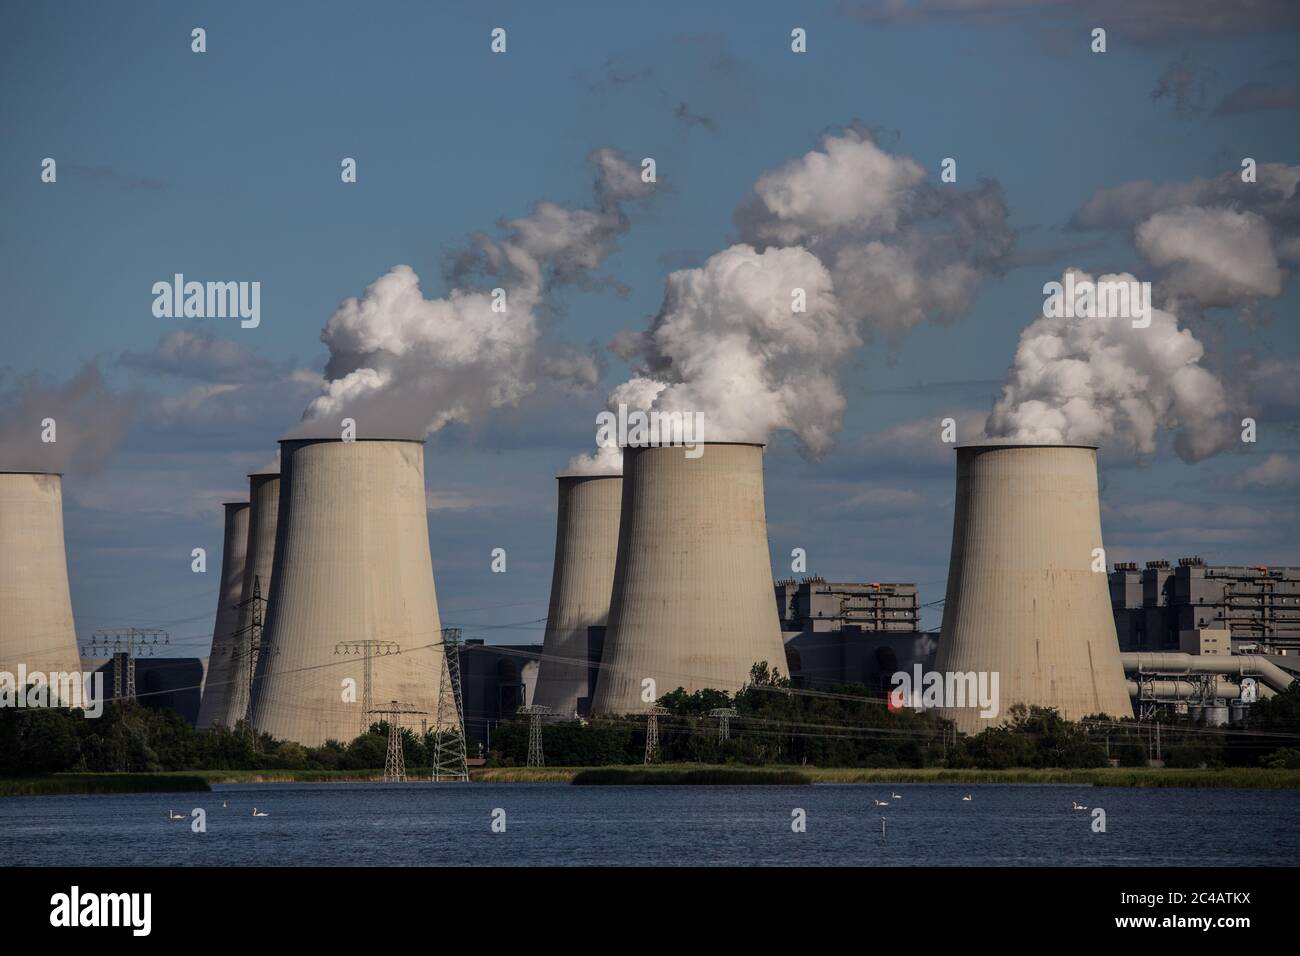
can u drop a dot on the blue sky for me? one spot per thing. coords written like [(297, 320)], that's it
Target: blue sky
[(225, 166)]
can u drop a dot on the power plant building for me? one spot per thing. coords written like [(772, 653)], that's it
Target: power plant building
[(1156, 606), (691, 604), (352, 613), (586, 547), (1025, 599), (220, 680), (36, 626), (851, 633)]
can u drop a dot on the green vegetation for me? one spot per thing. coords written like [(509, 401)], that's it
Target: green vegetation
[(66, 783), (709, 776), (129, 738), (843, 734)]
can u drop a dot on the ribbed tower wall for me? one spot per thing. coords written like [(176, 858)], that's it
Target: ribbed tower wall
[(351, 563), (586, 548), (1023, 597), (263, 508), (36, 626), (222, 660), (691, 604)]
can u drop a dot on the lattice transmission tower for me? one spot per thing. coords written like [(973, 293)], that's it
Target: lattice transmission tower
[(367, 650), (395, 761), (535, 713), (652, 732), (724, 715), (449, 729), (125, 645), (247, 649)]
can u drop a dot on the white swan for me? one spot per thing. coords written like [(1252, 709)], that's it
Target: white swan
[(881, 803), (967, 798), (895, 796), (223, 804), (1075, 805), (258, 813), (175, 816)]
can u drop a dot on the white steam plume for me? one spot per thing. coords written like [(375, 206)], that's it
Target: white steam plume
[(1101, 381), (875, 250), (403, 365)]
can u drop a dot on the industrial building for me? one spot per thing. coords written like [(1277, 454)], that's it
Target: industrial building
[(1156, 606), (214, 707), (858, 633), (352, 616), (1023, 598), (691, 603), (36, 626), (161, 683), (586, 549)]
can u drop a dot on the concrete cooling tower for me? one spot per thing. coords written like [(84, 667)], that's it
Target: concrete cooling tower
[(692, 600), (586, 546), (1023, 599), (263, 507), (36, 626), (353, 581), (217, 686)]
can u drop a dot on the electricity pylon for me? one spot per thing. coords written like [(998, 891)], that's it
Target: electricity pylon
[(449, 730), (248, 646), (395, 761), (724, 715), (124, 646), (369, 649), (652, 732), (535, 713)]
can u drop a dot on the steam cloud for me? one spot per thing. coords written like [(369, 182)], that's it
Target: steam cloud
[(404, 365), (89, 418), (1101, 381), (876, 250), (1220, 242)]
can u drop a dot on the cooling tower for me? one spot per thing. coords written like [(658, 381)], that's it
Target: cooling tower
[(692, 601), (217, 687), (36, 627), (1023, 599), (586, 546), (351, 565), (263, 506)]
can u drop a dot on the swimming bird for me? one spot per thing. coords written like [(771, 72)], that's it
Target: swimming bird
[(1075, 805), (967, 798), (223, 804), (895, 796), (175, 816), (881, 803), (258, 813)]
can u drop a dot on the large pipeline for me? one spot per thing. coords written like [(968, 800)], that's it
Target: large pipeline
[(1236, 665)]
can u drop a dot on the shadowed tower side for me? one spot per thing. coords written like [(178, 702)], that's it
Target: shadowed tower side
[(586, 548), (1023, 597), (351, 564), (36, 626), (263, 509), (692, 600), (222, 661)]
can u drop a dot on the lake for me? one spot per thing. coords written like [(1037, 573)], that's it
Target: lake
[(424, 824)]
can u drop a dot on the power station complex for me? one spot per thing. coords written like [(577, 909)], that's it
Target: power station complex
[(327, 613)]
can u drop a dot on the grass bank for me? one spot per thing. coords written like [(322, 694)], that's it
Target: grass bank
[(1248, 778), (68, 783), (1245, 778), (711, 776)]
